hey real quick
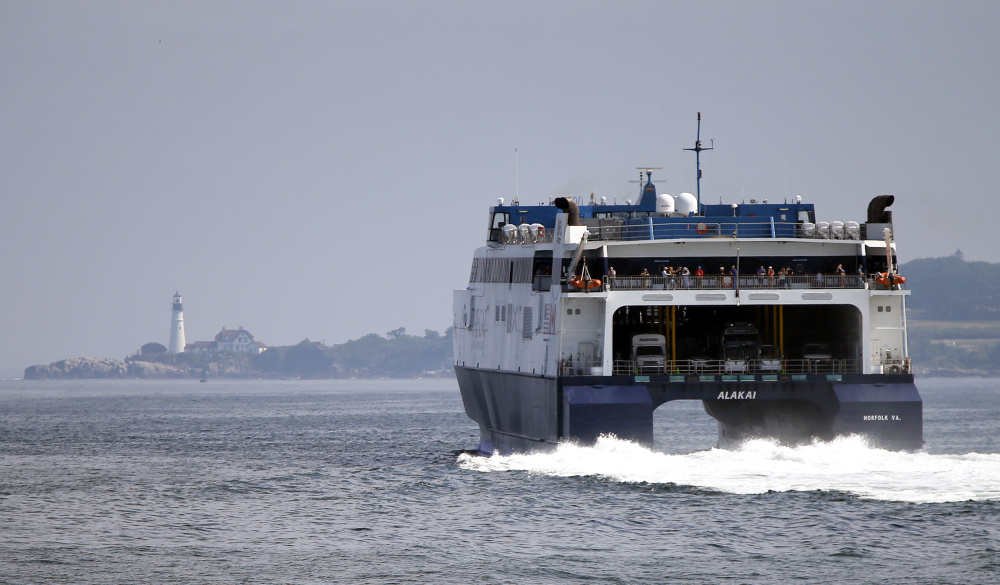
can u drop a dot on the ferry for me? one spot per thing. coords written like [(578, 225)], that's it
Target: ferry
[(581, 317)]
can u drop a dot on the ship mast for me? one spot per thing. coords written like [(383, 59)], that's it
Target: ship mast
[(697, 160)]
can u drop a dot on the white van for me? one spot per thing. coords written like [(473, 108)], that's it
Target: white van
[(649, 353), (770, 359)]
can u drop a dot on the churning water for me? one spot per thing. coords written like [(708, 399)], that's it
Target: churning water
[(357, 482)]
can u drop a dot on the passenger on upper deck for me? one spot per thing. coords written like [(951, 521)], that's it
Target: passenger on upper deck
[(667, 275)]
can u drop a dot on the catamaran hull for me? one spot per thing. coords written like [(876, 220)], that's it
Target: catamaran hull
[(523, 413)]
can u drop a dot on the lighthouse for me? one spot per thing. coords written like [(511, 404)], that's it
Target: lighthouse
[(177, 326)]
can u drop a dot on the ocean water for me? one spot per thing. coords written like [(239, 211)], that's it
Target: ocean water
[(352, 481)]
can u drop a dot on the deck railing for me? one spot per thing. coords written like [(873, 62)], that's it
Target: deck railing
[(716, 367), (652, 228), (703, 227), (726, 282), (667, 283)]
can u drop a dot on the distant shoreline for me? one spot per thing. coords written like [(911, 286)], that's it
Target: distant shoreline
[(137, 369), (396, 355)]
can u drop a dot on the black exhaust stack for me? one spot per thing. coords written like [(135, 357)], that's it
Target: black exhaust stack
[(569, 206), (876, 209)]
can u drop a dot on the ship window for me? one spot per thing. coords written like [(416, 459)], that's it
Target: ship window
[(578, 311), (500, 219), (503, 313), (880, 308), (888, 309), (569, 311), (496, 316)]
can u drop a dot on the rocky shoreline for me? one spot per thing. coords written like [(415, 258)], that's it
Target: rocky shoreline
[(109, 368), (85, 368)]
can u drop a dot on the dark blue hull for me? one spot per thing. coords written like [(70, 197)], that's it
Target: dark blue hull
[(521, 413)]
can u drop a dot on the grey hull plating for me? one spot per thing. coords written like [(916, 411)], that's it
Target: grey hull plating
[(521, 413)]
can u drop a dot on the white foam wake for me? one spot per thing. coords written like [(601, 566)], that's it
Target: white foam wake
[(846, 464)]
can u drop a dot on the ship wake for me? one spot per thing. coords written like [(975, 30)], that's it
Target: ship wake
[(844, 465)]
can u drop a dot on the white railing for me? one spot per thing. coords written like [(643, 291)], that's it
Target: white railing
[(756, 366), (578, 367), (692, 227), (727, 282), (710, 227)]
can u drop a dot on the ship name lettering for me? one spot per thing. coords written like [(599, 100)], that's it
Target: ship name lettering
[(741, 395), (893, 417)]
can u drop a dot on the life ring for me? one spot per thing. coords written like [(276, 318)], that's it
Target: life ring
[(577, 282), (701, 228)]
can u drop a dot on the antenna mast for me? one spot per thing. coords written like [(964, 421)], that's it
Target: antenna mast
[(517, 178), (697, 160)]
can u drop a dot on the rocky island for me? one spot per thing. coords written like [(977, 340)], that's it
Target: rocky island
[(395, 355)]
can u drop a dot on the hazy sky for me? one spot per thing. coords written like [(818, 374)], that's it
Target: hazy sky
[(323, 169)]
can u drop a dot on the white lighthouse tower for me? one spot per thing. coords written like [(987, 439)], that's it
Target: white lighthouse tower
[(177, 342)]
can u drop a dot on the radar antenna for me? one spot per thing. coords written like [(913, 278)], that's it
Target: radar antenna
[(648, 171), (697, 160)]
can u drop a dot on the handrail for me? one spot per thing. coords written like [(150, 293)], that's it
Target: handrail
[(708, 227), (755, 366), (728, 282), (692, 227)]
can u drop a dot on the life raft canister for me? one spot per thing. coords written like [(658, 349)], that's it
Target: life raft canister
[(577, 282), (886, 279)]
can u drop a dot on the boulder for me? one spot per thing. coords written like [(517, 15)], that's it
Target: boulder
[(78, 368), (141, 369)]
